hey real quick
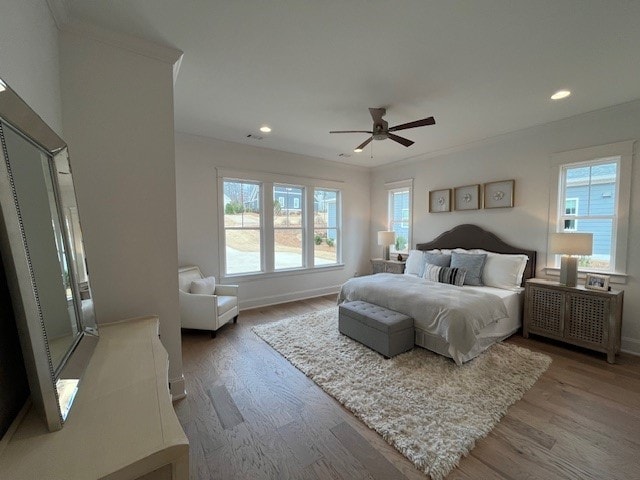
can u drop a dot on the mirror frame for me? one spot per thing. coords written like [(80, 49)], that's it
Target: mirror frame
[(42, 374)]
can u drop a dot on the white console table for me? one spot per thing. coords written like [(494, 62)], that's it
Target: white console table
[(122, 425)]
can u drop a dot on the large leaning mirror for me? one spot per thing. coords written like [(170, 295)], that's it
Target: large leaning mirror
[(43, 252)]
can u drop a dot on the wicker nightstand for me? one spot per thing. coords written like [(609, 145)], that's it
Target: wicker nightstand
[(587, 318), (387, 266)]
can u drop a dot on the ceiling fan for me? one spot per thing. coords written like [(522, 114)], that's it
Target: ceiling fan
[(381, 130)]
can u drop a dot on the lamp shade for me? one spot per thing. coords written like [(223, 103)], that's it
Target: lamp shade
[(386, 238), (571, 243)]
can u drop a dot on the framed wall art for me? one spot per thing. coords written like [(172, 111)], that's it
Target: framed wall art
[(440, 200), (467, 197), (499, 194)]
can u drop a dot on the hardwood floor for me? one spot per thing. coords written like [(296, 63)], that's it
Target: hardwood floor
[(249, 414)]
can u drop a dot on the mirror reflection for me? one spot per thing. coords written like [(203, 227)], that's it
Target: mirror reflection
[(49, 215), (79, 275)]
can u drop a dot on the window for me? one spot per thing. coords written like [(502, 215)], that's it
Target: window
[(570, 210), (581, 187), (326, 234), (288, 227), (242, 226), (399, 214), (276, 223), (593, 196)]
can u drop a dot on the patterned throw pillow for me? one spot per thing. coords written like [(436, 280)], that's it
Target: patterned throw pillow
[(452, 276)]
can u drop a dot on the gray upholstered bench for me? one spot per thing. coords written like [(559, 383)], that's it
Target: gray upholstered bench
[(385, 331)]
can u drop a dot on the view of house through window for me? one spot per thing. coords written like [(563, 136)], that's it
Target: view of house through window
[(281, 239), (325, 226), (242, 226), (399, 217), (588, 203), (288, 226)]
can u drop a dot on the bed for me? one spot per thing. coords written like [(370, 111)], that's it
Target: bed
[(459, 322)]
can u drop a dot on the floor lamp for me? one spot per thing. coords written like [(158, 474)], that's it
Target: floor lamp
[(386, 239), (568, 245)]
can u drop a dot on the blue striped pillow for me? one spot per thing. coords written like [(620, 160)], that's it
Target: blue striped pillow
[(452, 276)]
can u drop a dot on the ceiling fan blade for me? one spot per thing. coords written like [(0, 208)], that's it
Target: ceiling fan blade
[(418, 123), (404, 141), (351, 131), (377, 114), (364, 144)]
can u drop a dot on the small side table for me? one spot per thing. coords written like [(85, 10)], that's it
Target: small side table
[(576, 315), (387, 266)]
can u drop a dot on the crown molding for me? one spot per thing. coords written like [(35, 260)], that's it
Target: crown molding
[(124, 41), (65, 23)]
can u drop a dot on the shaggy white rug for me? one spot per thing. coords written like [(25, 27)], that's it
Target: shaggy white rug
[(429, 409)]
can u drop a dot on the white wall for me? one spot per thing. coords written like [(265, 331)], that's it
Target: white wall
[(29, 57), (524, 156), (118, 122), (196, 162)]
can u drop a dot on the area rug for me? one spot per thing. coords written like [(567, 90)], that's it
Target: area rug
[(423, 404)]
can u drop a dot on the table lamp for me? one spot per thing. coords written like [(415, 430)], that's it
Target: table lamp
[(568, 245), (386, 239)]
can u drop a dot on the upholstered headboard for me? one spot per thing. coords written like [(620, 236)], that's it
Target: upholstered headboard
[(472, 236)]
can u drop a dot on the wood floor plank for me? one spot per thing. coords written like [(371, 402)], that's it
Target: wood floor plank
[(225, 408), (471, 468), (302, 446), (379, 467), (580, 420)]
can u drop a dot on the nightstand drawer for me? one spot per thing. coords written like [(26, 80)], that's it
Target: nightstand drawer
[(587, 319), (546, 311)]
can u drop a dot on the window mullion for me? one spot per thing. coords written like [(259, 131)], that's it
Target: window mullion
[(267, 233), (309, 226)]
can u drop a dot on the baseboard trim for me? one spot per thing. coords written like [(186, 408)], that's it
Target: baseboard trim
[(630, 345), (288, 297), (177, 388)]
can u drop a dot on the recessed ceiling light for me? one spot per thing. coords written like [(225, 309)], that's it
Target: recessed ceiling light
[(357, 150), (265, 129), (560, 94)]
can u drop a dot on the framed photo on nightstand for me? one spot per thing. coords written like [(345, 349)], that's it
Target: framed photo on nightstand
[(595, 281)]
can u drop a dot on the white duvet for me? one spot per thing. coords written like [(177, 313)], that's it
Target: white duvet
[(453, 313)]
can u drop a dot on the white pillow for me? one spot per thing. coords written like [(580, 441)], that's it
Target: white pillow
[(504, 270), (448, 251), (415, 263), (204, 286)]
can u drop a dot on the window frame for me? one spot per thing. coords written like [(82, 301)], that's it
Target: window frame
[(260, 229), (396, 187), (303, 223), (591, 156), (337, 228), (267, 251)]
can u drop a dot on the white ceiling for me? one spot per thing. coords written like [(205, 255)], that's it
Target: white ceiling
[(481, 67)]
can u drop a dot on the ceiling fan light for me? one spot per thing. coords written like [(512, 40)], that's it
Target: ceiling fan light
[(357, 150), (560, 94)]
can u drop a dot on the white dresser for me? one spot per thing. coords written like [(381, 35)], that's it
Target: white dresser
[(122, 424)]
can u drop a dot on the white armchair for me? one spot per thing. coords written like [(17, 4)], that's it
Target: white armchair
[(205, 312)]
